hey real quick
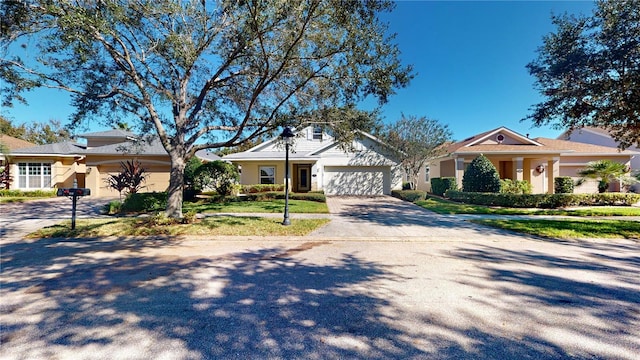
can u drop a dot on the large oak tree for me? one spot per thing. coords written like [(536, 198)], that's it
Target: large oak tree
[(202, 74), (588, 71)]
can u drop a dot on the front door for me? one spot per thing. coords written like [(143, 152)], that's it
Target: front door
[(303, 182)]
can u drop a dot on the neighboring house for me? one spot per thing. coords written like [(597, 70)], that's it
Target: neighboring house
[(9, 144), (598, 136), (89, 165), (317, 162), (518, 157)]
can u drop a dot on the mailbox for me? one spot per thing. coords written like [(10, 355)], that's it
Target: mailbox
[(74, 192)]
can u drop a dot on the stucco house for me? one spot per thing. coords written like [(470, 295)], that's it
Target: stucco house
[(598, 136), (60, 164), (519, 157), (317, 162)]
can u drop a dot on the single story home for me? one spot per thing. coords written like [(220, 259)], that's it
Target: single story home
[(517, 157), (318, 162)]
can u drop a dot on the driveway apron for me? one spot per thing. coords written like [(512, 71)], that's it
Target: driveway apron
[(383, 217)]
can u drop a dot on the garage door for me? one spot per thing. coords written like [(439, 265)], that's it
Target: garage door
[(365, 180)]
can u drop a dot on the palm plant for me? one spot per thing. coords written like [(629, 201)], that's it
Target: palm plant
[(604, 171)]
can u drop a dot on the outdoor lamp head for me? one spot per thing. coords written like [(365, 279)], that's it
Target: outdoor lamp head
[(287, 135)]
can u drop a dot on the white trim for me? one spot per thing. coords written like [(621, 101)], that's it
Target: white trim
[(267, 167), (504, 129)]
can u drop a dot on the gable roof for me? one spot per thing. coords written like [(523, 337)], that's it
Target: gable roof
[(257, 152), (13, 143), (540, 145)]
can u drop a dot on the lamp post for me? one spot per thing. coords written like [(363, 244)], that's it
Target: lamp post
[(287, 135)]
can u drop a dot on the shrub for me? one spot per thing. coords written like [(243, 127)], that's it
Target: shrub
[(409, 195), (190, 173), (544, 200), (508, 186), (563, 185), (145, 202), (218, 175), (256, 188), (481, 176), (277, 195), (113, 207), (439, 186), (30, 193), (406, 185)]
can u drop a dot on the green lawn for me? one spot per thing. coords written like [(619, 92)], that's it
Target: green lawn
[(267, 206), (442, 206), (210, 226), (569, 229)]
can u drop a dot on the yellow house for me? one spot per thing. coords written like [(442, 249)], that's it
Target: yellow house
[(89, 165), (538, 161)]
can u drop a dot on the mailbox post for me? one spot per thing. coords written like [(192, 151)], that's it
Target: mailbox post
[(73, 194)]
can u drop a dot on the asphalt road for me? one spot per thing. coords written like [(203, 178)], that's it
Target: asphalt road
[(478, 294)]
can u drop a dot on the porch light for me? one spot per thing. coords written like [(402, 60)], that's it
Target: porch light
[(287, 136)]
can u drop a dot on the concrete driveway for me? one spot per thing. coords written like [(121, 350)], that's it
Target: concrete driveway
[(386, 217), (467, 292), (19, 219)]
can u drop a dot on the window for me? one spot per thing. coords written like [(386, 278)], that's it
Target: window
[(317, 133), (34, 175), (267, 175), (426, 173)]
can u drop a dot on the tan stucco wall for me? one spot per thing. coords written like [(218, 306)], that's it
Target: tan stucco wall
[(100, 168)]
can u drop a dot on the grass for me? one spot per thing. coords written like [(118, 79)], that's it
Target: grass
[(210, 226), (569, 229), (267, 206), (20, 199), (442, 206)]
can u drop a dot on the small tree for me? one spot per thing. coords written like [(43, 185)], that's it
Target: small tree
[(416, 141), (218, 175), (604, 171), (190, 173), (130, 179), (118, 183), (481, 176)]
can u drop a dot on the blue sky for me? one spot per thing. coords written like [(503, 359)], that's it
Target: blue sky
[(469, 56)]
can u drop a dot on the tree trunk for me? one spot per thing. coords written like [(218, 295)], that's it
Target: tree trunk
[(176, 187)]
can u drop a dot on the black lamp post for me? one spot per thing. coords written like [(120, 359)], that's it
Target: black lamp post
[(287, 135)]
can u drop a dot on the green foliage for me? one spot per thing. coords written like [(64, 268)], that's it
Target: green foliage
[(28, 194), (544, 200), (232, 70), (276, 195), (409, 195), (481, 176), (49, 132), (130, 179), (5, 176), (218, 175), (144, 202), (439, 186), (256, 188), (416, 141), (563, 185), (508, 186), (113, 207), (585, 71), (604, 171), (190, 173)]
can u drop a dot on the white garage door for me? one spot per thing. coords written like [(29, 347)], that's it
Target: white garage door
[(365, 180)]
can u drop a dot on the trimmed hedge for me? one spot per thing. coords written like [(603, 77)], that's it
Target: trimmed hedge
[(509, 186), (439, 186), (563, 185), (145, 202), (409, 195), (258, 188), (277, 195), (544, 200), (30, 193)]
